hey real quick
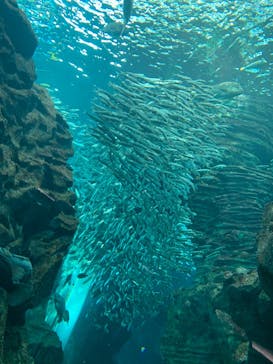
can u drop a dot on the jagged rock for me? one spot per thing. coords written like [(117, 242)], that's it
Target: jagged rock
[(16, 347), (265, 310), (4, 233), (36, 207), (216, 319), (19, 268), (234, 343), (191, 335), (265, 251), (17, 23), (3, 319), (236, 291), (15, 277), (43, 343)]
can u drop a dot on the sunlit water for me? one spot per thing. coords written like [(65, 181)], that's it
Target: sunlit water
[(214, 40)]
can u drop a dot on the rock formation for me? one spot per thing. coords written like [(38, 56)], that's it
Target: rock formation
[(214, 322), (36, 207), (265, 251)]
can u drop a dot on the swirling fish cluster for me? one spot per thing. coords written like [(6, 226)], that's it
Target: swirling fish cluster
[(134, 235)]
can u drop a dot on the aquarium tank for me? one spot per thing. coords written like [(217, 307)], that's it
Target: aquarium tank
[(169, 103)]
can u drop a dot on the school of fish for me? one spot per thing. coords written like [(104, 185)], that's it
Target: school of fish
[(151, 137)]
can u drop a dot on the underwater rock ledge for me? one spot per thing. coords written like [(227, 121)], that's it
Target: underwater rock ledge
[(36, 208), (265, 251)]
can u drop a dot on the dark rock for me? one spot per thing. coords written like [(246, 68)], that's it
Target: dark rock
[(43, 344), (18, 28), (216, 319), (5, 233), (16, 347), (3, 319), (265, 311), (265, 251), (239, 298), (36, 207), (234, 341), (15, 277)]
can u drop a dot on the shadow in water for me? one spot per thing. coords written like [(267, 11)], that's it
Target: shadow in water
[(89, 344)]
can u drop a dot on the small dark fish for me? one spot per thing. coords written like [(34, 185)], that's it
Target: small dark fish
[(68, 278), (127, 11), (82, 275), (62, 312)]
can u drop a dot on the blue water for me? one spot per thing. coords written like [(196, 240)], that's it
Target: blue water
[(75, 55), (211, 40)]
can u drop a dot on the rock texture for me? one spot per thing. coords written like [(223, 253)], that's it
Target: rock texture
[(36, 207), (265, 251), (215, 321)]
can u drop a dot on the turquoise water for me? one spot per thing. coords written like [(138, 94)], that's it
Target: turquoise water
[(141, 193), (213, 40)]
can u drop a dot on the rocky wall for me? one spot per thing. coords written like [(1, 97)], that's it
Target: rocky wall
[(265, 251), (36, 206), (216, 321)]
